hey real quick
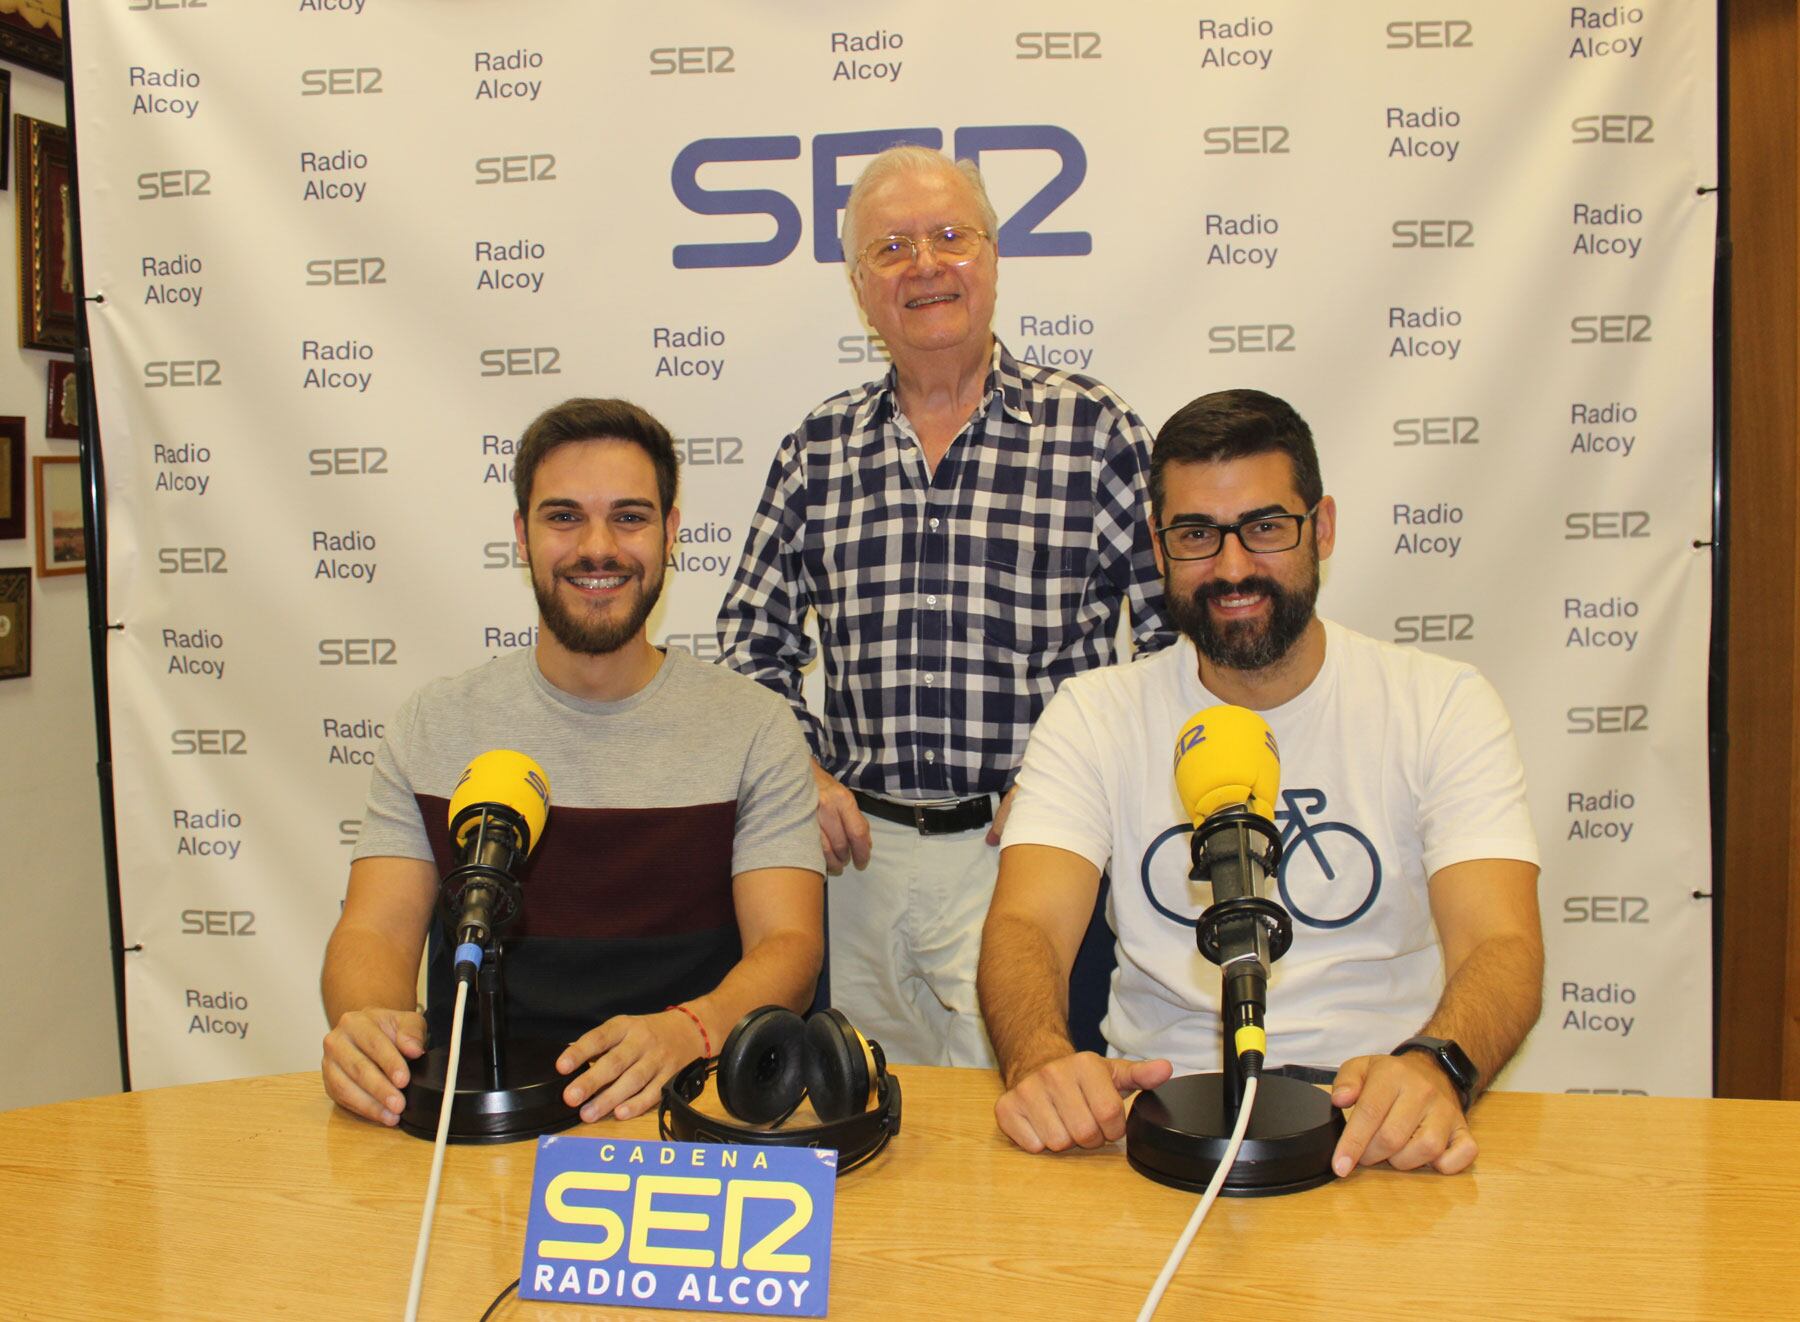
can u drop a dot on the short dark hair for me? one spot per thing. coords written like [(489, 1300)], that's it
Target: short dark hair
[(1235, 424), (594, 420)]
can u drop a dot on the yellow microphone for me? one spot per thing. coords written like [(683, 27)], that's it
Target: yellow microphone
[(1227, 774), (497, 815), (1223, 756), (500, 778)]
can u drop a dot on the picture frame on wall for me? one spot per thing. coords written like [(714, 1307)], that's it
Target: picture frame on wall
[(31, 34), (61, 525), (12, 479), (62, 410), (15, 623), (46, 246), (5, 127)]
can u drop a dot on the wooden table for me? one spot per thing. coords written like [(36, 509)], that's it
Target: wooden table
[(256, 1199)]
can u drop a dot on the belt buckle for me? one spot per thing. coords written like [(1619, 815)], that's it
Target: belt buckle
[(919, 821)]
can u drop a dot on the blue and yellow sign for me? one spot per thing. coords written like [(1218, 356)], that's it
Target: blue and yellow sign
[(705, 1226)]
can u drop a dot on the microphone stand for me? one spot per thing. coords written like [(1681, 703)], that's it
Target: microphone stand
[(510, 1090), (493, 1016), (1178, 1134)]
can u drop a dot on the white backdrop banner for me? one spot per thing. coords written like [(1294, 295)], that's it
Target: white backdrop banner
[(348, 248)]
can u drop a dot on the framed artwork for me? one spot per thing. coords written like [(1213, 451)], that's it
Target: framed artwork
[(15, 623), (31, 34), (5, 120), (61, 532), (46, 246), (12, 478), (62, 412)]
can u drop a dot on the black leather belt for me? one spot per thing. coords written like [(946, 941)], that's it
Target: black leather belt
[(931, 818)]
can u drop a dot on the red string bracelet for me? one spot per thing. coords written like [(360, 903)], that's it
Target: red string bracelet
[(705, 1039)]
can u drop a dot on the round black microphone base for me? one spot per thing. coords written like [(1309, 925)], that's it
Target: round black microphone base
[(1177, 1135), (528, 1104)]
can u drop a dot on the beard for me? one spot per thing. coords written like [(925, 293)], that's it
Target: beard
[(1245, 644), (590, 635)]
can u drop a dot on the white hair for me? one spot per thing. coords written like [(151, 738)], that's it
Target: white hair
[(911, 159)]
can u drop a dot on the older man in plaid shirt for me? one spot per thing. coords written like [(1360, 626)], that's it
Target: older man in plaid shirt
[(967, 530)]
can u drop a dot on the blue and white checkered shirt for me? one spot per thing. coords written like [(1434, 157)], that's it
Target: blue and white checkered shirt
[(951, 603)]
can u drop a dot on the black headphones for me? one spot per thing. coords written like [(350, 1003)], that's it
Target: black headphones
[(772, 1060)]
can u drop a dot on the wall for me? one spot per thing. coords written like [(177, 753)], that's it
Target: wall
[(1759, 1001), (58, 1038)]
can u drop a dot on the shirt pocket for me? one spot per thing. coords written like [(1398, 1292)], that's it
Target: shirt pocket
[(1032, 593)]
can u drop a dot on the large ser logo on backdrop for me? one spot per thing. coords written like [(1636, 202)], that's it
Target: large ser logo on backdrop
[(1020, 235)]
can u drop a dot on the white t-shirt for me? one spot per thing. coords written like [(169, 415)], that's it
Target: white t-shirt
[(1395, 764)]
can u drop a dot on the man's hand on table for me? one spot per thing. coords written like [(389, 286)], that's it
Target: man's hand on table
[(628, 1058), (365, 1063), (1407, 1114), (1074, 1100)]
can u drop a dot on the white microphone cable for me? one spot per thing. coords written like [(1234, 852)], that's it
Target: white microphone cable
[(1206, 1201), (443, 1135)]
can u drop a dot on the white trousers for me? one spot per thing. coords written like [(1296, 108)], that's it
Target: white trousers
[(905, 940)]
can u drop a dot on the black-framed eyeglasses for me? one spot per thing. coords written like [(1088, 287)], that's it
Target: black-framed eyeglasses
[(953, 245), (1265, 534)]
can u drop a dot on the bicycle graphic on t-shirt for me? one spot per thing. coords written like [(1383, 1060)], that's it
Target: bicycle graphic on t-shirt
[(1322, 863), (1343, 855)]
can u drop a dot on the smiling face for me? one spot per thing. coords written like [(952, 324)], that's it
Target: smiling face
[(596, 540), (926, 306), (1243, 611)]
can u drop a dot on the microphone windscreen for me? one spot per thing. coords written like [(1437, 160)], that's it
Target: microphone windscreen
[(1226, 755), (509, 779)]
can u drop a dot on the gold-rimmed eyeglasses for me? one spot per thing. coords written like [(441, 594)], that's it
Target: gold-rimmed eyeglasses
[(953, 245)]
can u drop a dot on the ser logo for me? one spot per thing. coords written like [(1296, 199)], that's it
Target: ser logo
[(1440, 628), (540, 360), (218, 922), (1606, 525), (1606, 909), (707, 451), (140, 6), (1275, 337), (341, 82), (1437, 431), (346, 271), (521, 168), (357, 652), (350, 830), (863, 349), (1019, 236), (503, 555), (1612, 328), (703, 646), (208, 743), (666, 60), (1629, 718), (1431, 34), (1434, 234), (1057, 46), (191, 560), (347, 461), (1610, 129), (156, 184), (178, 372), (1245, 140)]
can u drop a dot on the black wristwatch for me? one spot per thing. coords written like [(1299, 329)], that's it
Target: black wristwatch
[(1452, 1059)]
